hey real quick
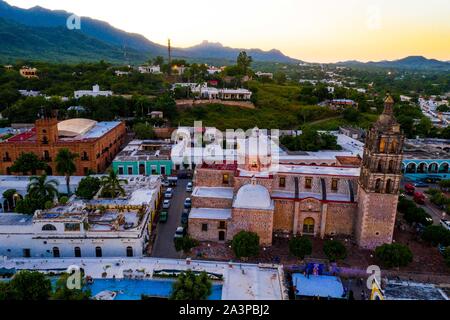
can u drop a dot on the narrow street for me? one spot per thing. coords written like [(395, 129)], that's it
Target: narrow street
[(164, 246)]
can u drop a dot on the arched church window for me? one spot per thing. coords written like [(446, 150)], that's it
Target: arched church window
[(389, 186), (378, 186), (382, 146)]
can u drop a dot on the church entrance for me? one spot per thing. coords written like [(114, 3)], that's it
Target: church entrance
[(309, 226)]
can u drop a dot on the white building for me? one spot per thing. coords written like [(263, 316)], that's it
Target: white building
[(122, 73), (94, 93), (264, 74), (213, 70), (30, 93), (100, 227), (150, 69)]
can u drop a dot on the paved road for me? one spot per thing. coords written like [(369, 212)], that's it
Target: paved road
[(164, 247)]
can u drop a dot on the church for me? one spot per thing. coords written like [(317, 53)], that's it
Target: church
[(286, 200)]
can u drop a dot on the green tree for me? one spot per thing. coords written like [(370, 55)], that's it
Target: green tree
[(158, 61), (28, 162), (30, 286), (300, 247), (243, 62), (9, 195), (88, 187), (62, 292), (28, 205), (42, 189), (185, 244), (280, 78), (334, 250), (143, 131), (394, 255), (65, 165), (191, 287), (245, 244), (436, 235), (112, 185)]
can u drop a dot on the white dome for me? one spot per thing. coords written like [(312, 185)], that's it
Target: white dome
[(253, 196)]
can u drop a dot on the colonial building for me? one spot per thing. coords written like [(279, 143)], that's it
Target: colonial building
[(293, 199), (96, 143), (118, 227)]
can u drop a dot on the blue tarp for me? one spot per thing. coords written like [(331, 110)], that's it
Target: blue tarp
[(318, 286)]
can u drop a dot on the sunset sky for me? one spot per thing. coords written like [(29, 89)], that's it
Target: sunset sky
[(315, 31)]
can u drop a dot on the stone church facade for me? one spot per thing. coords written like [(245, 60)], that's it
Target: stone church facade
[(286, 200)]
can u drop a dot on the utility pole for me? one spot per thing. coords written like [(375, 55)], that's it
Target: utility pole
[(169, 48)]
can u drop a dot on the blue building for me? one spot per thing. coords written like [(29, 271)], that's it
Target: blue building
[(426, 158), (145, 158)]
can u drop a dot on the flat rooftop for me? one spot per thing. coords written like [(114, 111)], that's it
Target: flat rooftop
[(318, 286), (211, 192), (97, 131), (12, 219), (241, 281), (145, 150), (413, 291)]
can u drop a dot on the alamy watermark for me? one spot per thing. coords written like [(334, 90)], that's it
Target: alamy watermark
[(73, 22), (199, 145)]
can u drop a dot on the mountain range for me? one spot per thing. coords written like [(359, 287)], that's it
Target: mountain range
[(41, 34), (411, 62), (37, 23)]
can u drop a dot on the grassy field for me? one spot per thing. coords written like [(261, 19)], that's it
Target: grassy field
[(277, 107)]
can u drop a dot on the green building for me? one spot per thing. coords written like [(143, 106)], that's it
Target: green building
[(144, 158)]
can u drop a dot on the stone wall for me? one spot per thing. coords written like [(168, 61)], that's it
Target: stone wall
[(212, 234), (212, 178), (341, 218), (241, 181), (258, 221), (283, 218), (376, 219), (204, 202)]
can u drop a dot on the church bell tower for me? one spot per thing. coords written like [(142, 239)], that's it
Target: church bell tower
[(379, 180)]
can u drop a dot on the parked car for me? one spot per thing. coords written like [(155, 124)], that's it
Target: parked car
[(419, 198), (189, 187), (421, 185), (410, 189), (163, 216), (169, 193), (173, 181), (445, 224), (180, 233), (432, 179), (166, 204), (188, 203), (185, 217), (165, 183)]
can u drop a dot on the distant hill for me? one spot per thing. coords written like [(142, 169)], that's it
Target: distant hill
[(104, 32), (57, 45), (411, 62), (218, 51)]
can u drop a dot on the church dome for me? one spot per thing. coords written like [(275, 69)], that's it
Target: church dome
[(253, 196)]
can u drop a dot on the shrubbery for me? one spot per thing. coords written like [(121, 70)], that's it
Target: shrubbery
[(334, 250), (88, 187), (436, 235), (245, 244), (394, 255), (412, 213), (300, 247)]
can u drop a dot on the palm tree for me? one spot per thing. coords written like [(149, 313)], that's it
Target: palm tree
[(112, 184), (43, 189), (65, 165)]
